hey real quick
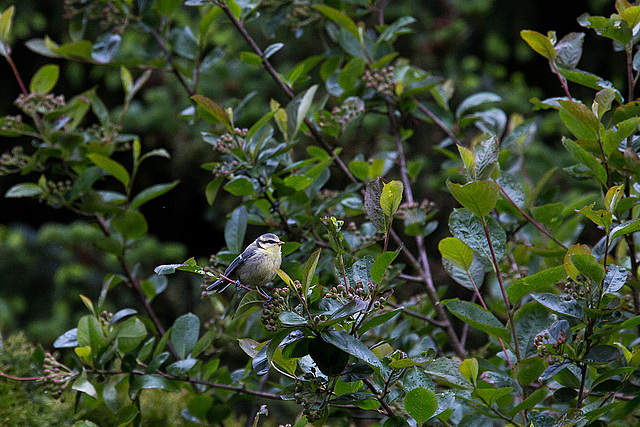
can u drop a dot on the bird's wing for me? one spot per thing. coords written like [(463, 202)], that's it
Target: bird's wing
[(240, 259)]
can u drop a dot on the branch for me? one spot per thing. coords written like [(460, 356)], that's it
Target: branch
[(439, 123), (169, 56), (134, 284), (425, 270), (314, 133), (531, 220)]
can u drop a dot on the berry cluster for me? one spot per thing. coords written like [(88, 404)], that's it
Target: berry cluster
[(54, 191), (308, 394), (344, 293), (273, 307), (380, 79), (56, 376), (541, 341), (576, 289), (226, 141), (108, 14)]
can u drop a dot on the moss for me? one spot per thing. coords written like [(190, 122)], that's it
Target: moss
[(24, 403)]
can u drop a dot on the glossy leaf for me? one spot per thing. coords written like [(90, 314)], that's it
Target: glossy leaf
[(535, 282), (421, 403), (391, 197), (540, 43), (185, 333), (351, 345), (339, 18), (112, 167), (559, 304), (477, 317), (235, 228), (479, 197), (213, 109), (44, 79)]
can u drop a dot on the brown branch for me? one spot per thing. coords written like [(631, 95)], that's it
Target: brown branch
[(439, 123), (170, 60), (314, 133), (134, 284), (385, 405), (425, 270), (531, 220)]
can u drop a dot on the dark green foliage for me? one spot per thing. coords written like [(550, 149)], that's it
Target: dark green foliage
[(345, 143)]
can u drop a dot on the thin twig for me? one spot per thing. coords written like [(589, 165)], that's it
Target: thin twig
[(439, 123), (531, 220), (385, 405), (169, 56)]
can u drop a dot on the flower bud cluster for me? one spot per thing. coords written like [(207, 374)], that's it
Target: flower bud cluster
[(55, 191), (39, 102), (56, 376), (272, 308), (380, 79), (107, 12), (11, 123), (13, 162), (105, 318), (343, 114), (224, 169)]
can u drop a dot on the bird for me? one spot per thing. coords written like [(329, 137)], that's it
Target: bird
[(255, 266)]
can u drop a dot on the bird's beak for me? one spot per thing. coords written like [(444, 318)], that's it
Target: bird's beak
[(280, 243)]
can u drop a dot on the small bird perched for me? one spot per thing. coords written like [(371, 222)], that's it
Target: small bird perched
[(256, 266)]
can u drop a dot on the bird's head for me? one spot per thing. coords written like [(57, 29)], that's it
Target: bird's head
[(269, 242)]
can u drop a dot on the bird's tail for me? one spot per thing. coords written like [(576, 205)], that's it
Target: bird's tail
[(218, 286)]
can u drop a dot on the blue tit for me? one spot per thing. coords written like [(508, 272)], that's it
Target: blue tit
[(256, 266)]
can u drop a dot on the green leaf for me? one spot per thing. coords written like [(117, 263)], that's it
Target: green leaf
[(476, 100), (372, 196), (530, 402), (130, 334), (421, 403), (559, 304), (303, 108), (235, 228), (342, 340), (112, 167), (339, 18), (90, 334), (581, 113), (589, 266), (350, 75), (297, 182), (213, 109), (469, 229), (251, 58), (626, 228), (613, 27), (131, 224), (83, 385), (541, 279), (477, 317), (181, 367), (25, 189), (457, 252), (391, 197), (469, 369), (599, 217), (469, 278), (491, 395), (167, 7), (381, 264), (212, 189), (309, 271), (290, 318), (127, 80), (240, 187), (589, 161), (569, 50), (152, 192), (602, 354), (416, 377), (479, 197), (44, 79), (540, 43), (185, 333), (6, 22), (615, 278)]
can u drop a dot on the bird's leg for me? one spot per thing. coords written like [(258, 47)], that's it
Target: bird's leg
[(263, 294), (239, 285)]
